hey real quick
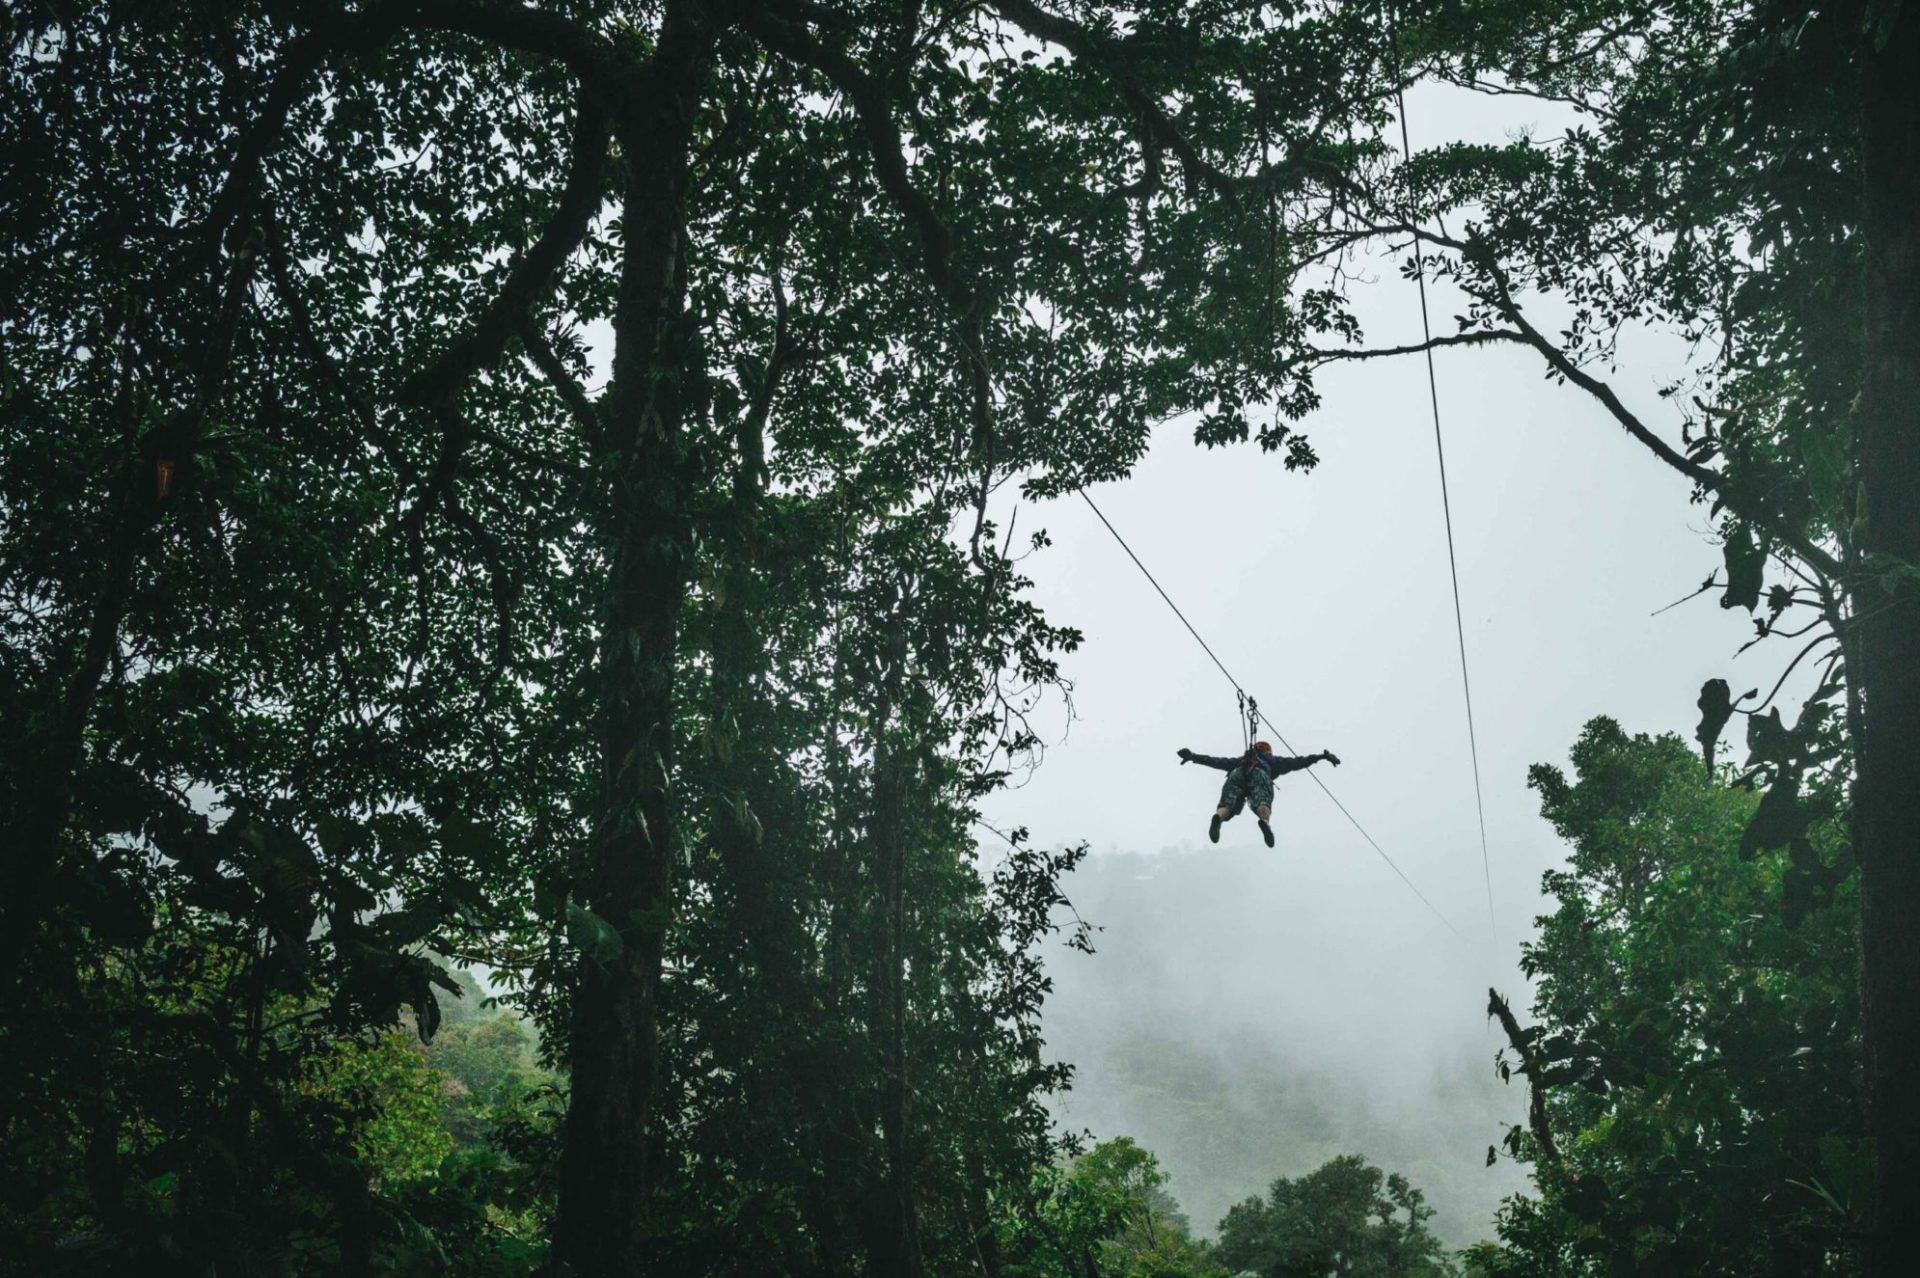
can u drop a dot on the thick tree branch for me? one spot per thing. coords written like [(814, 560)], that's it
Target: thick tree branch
[(440, 384), (1112, 56), (869, 98), (1151, 167), (533, 274), (509, 26), (302, 57), (531, 458)]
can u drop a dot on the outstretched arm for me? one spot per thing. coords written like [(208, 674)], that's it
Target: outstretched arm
[(1226, 763), (1294, 763)]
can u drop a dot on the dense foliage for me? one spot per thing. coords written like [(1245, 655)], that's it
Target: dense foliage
[(356, 620), (1345, 1218), (510, 487), (1742, 174), (1697, 1110), (1108, 1214)]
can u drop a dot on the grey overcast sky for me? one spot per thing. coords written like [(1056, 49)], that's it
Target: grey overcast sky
[(1327, 595)]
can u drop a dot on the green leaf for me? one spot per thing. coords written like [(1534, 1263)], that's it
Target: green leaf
[(592, 935), (1746, 569), (1778, 821), (1848, 1165), (339, 836), (1716, 707), (467, 838), (1828, 474), (1768, 740)]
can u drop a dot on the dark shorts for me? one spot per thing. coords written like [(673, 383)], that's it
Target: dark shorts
[(1244, 786)]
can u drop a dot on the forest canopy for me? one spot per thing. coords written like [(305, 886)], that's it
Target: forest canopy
[(512, 489)]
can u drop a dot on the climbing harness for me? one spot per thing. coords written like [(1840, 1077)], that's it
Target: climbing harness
[(1249, 721)]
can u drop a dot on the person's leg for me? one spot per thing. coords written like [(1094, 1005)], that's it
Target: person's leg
[(1262, 796), (1225, 812), (1232, 797)]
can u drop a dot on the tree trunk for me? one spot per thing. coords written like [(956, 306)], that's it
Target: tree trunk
[(1886, 798), (892, 776), (604, 1191)]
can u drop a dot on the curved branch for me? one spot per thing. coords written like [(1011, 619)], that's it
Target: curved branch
[(571, 392), (869, 98), (1476, 84), (1709, 480), (509, 26), (533, 274), (1781, 682), (300, 59)]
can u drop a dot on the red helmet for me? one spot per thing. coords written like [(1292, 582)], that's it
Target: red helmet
[(1263, 747)]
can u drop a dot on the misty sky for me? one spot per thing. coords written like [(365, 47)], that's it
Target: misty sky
[(1327, 594)]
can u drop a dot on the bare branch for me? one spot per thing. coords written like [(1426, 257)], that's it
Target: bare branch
[(1534, 1068), (1480, 338), (1491, 89), (1709, 480), (1781, 682)]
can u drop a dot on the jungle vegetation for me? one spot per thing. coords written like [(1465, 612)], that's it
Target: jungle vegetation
[(359, 629)]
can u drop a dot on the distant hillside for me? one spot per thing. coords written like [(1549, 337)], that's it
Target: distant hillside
[(1238, 1042)]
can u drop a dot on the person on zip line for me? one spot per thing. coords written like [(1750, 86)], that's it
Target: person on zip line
[(1250, 780)]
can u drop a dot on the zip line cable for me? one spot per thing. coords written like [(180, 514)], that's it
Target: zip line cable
[(1208, 648), (1446, 507)]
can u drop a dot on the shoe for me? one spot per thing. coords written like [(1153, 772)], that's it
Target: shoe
[(1213, 830), (1266, 832)]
